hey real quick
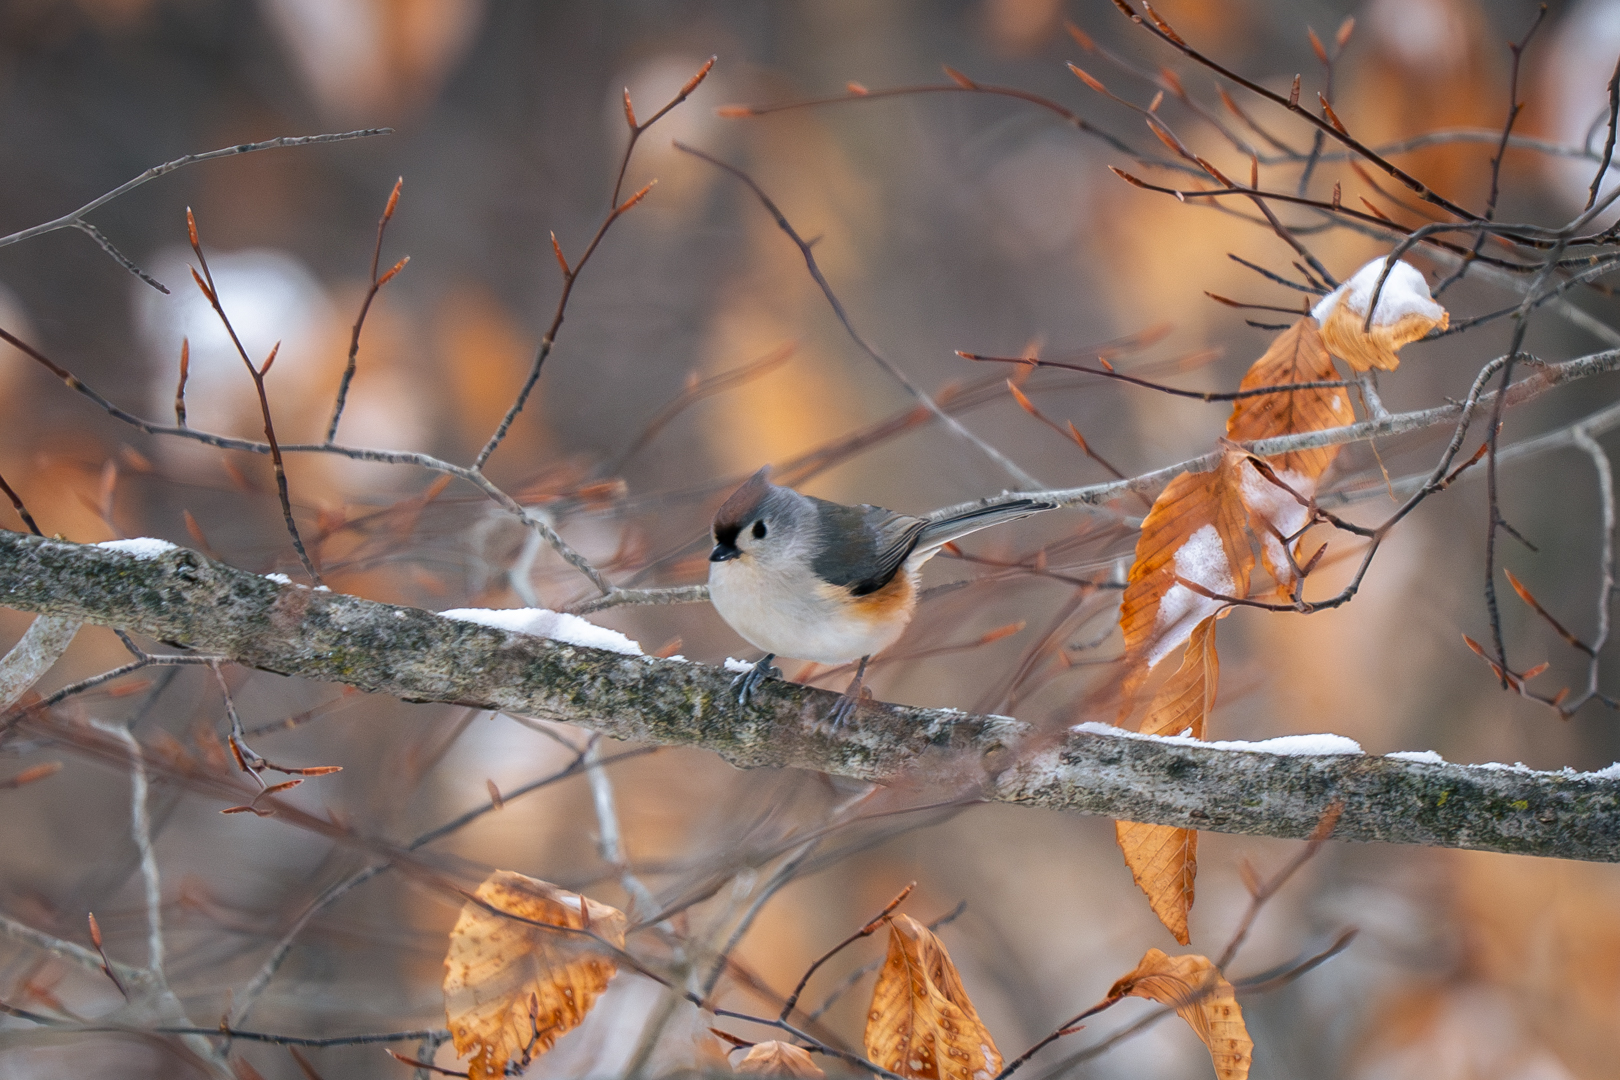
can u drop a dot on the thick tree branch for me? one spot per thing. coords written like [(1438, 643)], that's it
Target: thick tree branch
[(183, 597)]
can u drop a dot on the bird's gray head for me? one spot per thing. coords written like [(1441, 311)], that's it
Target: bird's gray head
[(759, 520)]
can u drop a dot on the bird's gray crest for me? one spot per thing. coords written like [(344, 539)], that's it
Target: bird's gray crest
[(744, 504)]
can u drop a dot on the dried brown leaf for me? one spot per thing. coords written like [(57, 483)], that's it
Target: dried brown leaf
[(773, 1058), (1297, 355), (1195, 988), (921, 1023), (512, 988), (1163, 859)]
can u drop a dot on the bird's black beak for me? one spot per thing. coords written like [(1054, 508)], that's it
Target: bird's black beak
[(724, 552)]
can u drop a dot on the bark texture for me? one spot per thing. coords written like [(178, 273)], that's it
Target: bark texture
[(187, 599)]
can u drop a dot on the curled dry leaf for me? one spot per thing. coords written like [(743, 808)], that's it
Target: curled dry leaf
[(1163, 859), (512, 988), (1196, 531), (775, 1058), (1195, 988), (1405, 313), (921, 1023)]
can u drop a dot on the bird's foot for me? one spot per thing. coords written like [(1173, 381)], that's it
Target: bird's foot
[(844, 708), (749, 681)]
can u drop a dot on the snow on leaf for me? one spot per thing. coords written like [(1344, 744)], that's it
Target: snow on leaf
[(1195, 988), (1196, 531), (1163, 859), (921, 1023), (1296, 356), (1405, 313), (773, 1058), (1273, 505), (512, 988)]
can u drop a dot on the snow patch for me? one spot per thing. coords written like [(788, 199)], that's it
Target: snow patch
[(738, 667), (1271, 503), (279, 579), (1325, 745), (1202, 558), (1405, 293), (141, 547), (1423, 757), (1328, 745), (543, 622)]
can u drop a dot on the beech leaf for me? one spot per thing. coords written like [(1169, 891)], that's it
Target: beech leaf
[(511, 988), (1163, 859), (775, 1058), (1195, 988), (1298, 355), (921, 1023)]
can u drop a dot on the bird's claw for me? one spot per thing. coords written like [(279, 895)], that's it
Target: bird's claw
[(842, 710), (749, 681)]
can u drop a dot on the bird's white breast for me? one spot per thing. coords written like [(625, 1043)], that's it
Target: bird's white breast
[(795, 613)]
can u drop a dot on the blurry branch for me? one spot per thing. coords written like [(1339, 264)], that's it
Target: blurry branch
[(140, 829), (697, 390), (680, 594), (75, 220), (413, 654), (46, 639), (1023, 478), (961, 84)]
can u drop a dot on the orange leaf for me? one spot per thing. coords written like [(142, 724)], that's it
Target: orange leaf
[(511, 988), (774, 1058), (1296, 356), (1197, 531), (1163, 859), (1195, 988), (921, 1023)]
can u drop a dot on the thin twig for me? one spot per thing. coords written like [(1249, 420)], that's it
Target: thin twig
[(376, 284), (205, 282), (866, 931), (75, 220), (17, 505)]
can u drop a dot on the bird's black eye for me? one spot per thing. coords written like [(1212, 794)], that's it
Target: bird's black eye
[(759, 530)]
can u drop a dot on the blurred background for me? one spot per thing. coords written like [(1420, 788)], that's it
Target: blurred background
[(944, 221)]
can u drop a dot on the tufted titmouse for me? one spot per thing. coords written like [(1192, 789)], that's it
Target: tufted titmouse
[(800, 576)]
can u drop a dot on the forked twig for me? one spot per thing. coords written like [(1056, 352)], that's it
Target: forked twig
[(205, 282), (571, 273), (365, 307)]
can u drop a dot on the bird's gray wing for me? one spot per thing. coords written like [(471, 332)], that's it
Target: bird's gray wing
[(862, 547)]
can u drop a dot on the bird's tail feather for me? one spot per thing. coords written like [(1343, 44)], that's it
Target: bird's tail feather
[(939, 533)]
